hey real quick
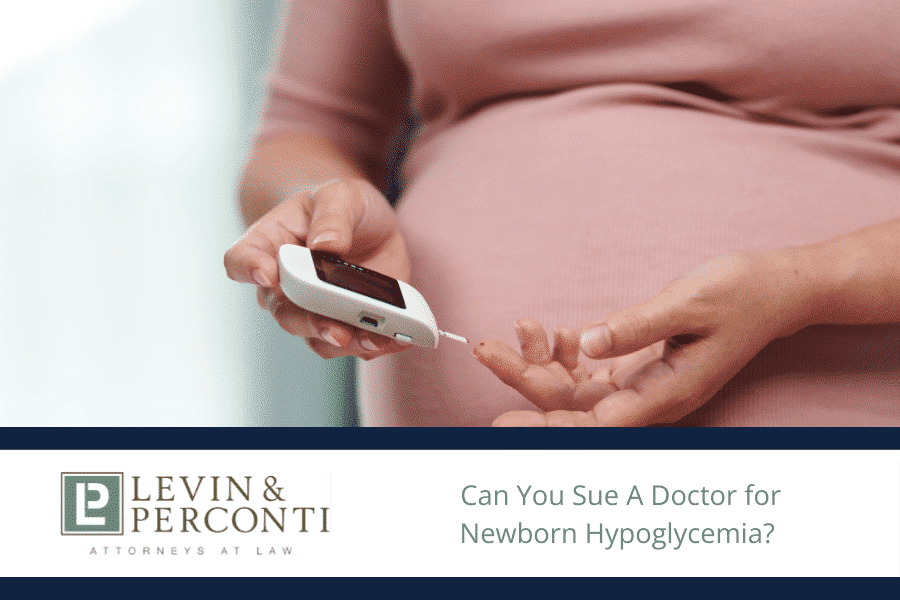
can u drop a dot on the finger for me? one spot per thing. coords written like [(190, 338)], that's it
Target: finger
[(249, 263), (645, 404), (603, 372), (502, 360), (328, 351), (327, 337), (560, 372), (335, 210), (584, 396), (566, 347), (533, 341), (302, 323), (252, 259), (631, 329), (534, 382), (373, 342), (627, 367), (664, 391), (324, 349), (670, 388)]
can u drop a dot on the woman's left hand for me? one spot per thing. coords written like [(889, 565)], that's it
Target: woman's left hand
[(683, 344)]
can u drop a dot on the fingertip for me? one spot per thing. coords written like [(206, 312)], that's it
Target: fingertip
[(336, 335), (566, 338), (565, 347), (533, 341), (368, 344), (328, 335), (596, 341), (242, 261), (479, 350), (333, 217), (528, 323), (488, 349), (260, 278), (325, 238), (565, 332), (334, 245), (501, 360), (332, 332)]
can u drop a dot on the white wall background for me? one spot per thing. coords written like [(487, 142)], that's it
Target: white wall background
[(123, 127)]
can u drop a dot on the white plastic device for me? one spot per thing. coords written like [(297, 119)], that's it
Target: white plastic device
[(325, 284)]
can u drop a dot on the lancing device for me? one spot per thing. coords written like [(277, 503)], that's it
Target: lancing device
[(327, 285)]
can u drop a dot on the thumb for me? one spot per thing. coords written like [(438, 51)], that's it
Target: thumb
[(349, 217), (335, 210), (639, 326)]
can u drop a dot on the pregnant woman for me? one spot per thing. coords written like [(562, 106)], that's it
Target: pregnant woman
[(710, 187)]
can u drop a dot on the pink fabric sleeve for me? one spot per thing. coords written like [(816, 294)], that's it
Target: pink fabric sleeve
[(337, 76)]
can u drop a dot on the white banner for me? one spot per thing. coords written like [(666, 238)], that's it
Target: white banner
[(436, 512)]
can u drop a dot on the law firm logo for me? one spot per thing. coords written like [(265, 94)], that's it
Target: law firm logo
[(92, 503)]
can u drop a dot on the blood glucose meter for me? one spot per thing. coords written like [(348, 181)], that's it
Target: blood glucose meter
[(327, 285)]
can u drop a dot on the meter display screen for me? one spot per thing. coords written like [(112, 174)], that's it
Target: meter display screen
[(336, 271)]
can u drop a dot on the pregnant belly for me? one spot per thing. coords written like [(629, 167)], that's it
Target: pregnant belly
[(569, 206)]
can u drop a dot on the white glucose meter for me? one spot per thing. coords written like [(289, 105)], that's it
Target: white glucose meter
[(327, 285)]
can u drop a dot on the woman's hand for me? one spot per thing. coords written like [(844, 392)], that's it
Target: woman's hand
[(550, 380), (345, 216), (684, 345)]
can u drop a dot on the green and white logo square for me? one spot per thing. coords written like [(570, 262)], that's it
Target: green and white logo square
[(92, 503)]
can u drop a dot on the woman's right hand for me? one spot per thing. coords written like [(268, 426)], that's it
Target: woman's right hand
[(348, 217)]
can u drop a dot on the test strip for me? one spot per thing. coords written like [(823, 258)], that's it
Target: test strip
[(458, 338)]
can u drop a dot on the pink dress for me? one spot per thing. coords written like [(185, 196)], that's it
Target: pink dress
[(578, 155)]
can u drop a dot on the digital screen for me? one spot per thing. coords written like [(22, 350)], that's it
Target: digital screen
[(332, 269)]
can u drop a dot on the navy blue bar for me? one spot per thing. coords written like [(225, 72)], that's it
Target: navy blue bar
[(218, 438), (526, 587)]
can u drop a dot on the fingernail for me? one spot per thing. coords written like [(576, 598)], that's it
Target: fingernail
[(328, 336), (325, 236), (401, 342), (260, 278), (596, 340), (519, 335), (368, 344)]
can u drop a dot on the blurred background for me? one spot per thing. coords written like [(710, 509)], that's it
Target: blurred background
[(123, 128)]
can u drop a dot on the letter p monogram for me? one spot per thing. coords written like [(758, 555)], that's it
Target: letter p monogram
[(92, 503), (81, 490)]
